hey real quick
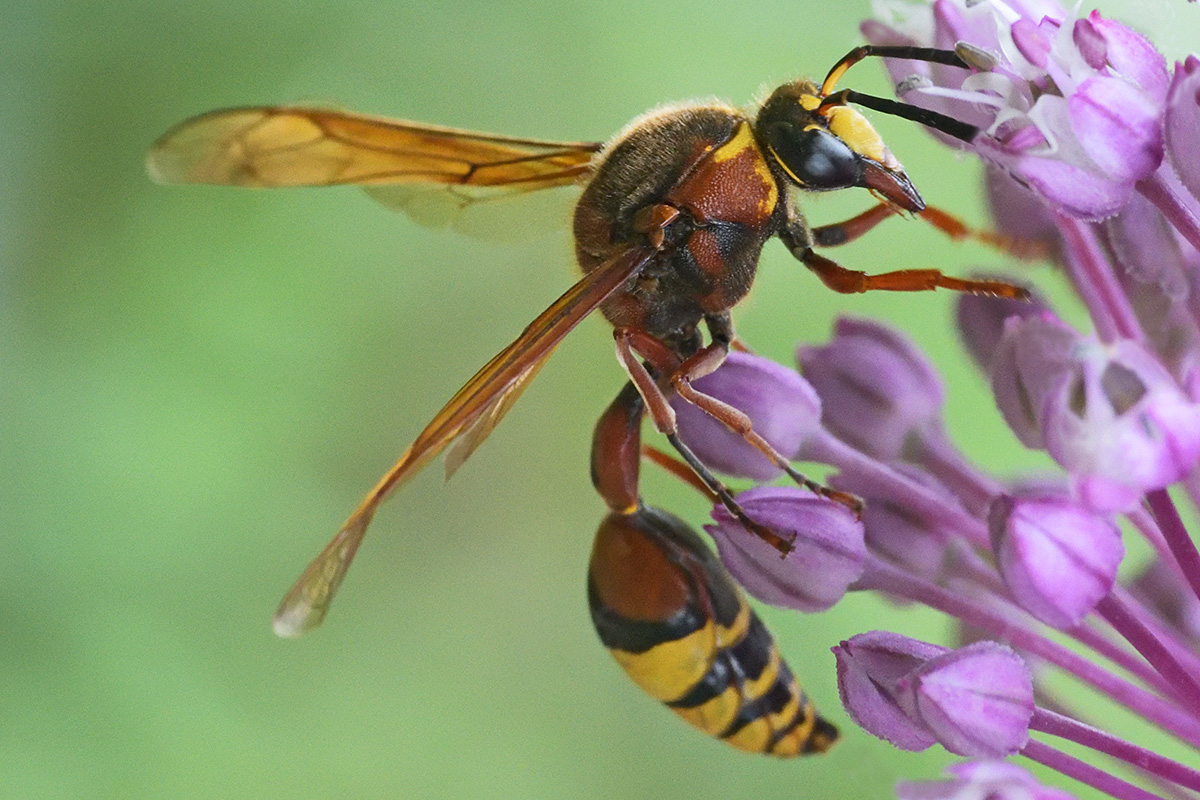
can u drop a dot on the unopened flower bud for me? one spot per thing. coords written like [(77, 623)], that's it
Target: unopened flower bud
[(1029, 362), (981, 321), (1159, 272), (994, 780), (1058, 558), (829, 551), (877, 389), (869, 667), (781, 406), (899, 534), (976, 701), (1016, 210), (1182, 128)]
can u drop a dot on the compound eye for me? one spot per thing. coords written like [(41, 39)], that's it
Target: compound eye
[(814, 157)]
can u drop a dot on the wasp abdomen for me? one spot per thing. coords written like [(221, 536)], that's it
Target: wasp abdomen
[(671, 615)]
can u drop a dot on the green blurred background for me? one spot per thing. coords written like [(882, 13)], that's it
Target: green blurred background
[(198, 384)]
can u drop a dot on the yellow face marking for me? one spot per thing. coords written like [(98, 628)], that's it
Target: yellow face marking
[(742, 143), (784, 166), (669, 670), (854, 129), (809, 102)]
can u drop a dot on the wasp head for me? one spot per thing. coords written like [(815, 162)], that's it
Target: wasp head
[(824, 147)]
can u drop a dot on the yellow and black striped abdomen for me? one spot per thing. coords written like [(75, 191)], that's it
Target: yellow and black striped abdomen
[(673, 618)]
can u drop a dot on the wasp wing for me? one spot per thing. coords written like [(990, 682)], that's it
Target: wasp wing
[(425, 170), (469, 416)]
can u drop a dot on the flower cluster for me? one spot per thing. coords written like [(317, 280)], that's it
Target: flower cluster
[(1089, 137)]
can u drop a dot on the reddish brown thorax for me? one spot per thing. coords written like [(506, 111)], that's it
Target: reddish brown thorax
[(692, 182)]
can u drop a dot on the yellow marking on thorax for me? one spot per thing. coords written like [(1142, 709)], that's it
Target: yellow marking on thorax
[(743, 140)]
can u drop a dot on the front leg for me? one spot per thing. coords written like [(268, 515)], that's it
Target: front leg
[(799, 239)]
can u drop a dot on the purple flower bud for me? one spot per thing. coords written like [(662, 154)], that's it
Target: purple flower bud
[(1149, 250), (1128, 145), (976, 701), (1162, 588), (994, 780), (981, 321), (1182, 129), (829, 551), (1120, 425), (897, 533), (877, 389), (1159, 272), (869, 666), (1110, 415), (1057, 558), (1016, 210), (781, 405), (1027, 365)]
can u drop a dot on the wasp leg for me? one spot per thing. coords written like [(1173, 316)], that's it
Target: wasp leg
[(740, 424), (800, 240), (848, 281), (663, 416), (956, 229), (839, 233), (847, 231)]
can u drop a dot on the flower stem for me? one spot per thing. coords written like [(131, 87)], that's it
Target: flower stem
[(979, 572), (1073, 730), (1166, 634), (1126, 623), (882, 576), (1093, 278), (946, 463), (1144, 522), (1172, 206), (1173, 530), (875, 478), (1084, 772)]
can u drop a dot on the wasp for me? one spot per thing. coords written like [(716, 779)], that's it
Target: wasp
[(668, 229)]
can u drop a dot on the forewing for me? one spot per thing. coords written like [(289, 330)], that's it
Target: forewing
[(469, 416), (289, 146)]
